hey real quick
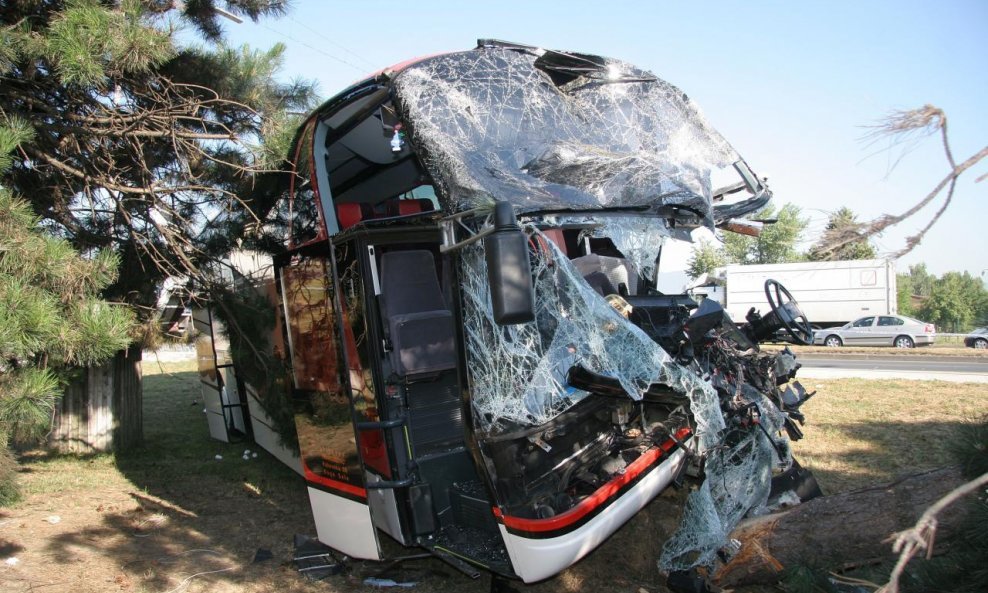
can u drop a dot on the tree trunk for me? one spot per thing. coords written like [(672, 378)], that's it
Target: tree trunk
[(839, 531), (102, 410)]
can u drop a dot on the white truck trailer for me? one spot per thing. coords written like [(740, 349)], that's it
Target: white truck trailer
[(830, 293)]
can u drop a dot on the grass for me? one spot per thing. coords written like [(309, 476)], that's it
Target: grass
[(861, 432), (177, 442), (858, 432), (123, 512), (177, 448), (146, 518)]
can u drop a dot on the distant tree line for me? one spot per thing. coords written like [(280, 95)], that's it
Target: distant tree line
[(956, 301), (778, 242)]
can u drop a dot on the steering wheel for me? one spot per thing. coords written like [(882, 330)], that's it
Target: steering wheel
[(788, 313)]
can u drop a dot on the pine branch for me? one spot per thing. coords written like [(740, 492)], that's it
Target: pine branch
[(900, 127)]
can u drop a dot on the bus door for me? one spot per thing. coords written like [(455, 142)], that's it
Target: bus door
[(327, 394)]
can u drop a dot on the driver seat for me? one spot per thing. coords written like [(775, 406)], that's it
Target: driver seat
[(608, 275), (419, 324)]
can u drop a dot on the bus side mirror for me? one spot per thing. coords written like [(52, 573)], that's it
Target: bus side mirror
[(508, 269)]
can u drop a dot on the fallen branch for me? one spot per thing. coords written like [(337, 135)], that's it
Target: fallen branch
[(842, 529), (899, 127), (908, 543)]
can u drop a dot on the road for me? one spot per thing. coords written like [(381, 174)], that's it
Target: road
[(942, 368)]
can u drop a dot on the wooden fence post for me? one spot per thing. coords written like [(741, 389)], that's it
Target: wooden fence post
[(102, 411)]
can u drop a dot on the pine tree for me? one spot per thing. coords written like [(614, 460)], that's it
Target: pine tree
[(137, 141), (128, 144), (843, 222), (51, 317)]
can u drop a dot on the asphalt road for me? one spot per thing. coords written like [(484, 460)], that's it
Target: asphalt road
[(944, 368)]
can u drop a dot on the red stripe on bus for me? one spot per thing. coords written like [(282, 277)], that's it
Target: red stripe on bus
[(334, 484)]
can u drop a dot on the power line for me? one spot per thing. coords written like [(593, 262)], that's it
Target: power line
[(323, 36), (359, 69)]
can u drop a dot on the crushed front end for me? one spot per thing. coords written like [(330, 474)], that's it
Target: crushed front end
[(609, 391)]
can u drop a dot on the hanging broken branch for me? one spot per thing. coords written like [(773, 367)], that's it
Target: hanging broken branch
[(900, 127)]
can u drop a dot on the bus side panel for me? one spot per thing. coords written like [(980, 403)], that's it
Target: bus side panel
[(344, 524)]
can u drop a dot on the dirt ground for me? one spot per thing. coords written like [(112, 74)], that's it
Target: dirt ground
[(112, 537), (169, 517)]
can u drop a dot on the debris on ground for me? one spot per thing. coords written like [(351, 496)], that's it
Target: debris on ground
[(314, 560), (377, 582)]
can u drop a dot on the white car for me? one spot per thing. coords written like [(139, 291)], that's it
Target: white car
[(879, 330)]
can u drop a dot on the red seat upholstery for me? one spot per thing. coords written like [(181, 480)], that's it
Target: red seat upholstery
[(406, 207), (556, 236), (348, 214)]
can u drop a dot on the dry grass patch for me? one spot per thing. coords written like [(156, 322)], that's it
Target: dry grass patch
[(861, 432), (145, 519)]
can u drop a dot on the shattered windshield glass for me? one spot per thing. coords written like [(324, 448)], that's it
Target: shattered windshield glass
[(620, 139), (519, 372), (638, 238)]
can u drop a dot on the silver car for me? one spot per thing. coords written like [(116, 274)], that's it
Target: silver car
[(879, 330)]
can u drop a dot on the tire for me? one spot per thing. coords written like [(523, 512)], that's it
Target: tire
[(903, 342), (833, 341), (980, 344)]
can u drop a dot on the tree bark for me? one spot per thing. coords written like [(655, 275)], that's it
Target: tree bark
[(840, 531), (102, 410)]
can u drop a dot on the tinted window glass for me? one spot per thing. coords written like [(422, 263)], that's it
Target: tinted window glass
[(358, 351), (866, 322), (312, 325), (305, 216), (890, 321), (323, 414)]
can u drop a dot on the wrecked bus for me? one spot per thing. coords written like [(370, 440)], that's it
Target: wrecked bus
[(476, 359)]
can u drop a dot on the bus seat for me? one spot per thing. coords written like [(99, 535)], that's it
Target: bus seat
[(608, 275), (406, 207), (556, 236), (349, 214), (420, 326)]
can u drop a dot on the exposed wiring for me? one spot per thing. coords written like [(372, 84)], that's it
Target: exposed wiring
[(185, 582)]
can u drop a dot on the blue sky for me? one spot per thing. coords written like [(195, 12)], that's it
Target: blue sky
[(791, 85)]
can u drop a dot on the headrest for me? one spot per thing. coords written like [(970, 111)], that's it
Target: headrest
[(406, 207), (348, 214)]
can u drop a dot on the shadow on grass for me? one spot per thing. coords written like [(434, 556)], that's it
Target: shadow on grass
[(187, 511), (9, 548), (869, 453)]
